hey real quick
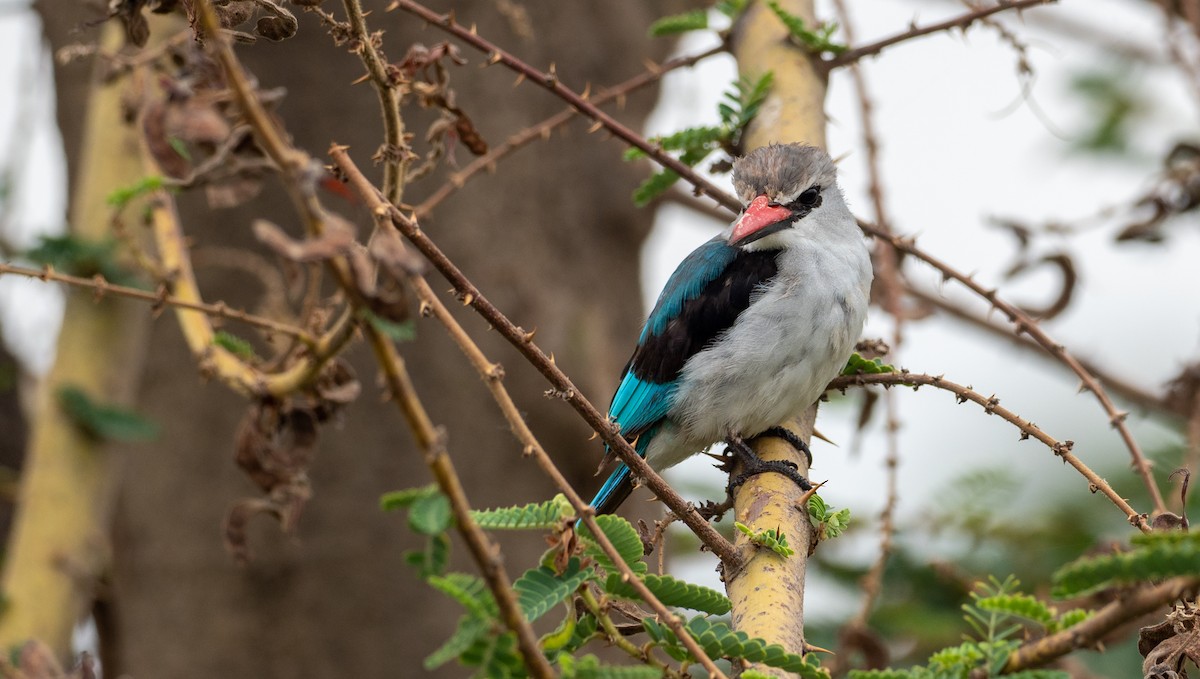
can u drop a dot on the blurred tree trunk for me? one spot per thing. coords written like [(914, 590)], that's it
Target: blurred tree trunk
[(551, 237)]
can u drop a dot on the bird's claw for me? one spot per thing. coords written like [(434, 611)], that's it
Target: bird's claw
[(753, 465), (791, 438)]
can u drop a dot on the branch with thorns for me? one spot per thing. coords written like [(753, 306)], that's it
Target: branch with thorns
[(991, 405)]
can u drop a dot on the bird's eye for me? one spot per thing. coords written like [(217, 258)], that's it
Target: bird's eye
[(811, 197)]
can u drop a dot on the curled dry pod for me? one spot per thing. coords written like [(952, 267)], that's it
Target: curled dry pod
[(279, 27), (235, 13)]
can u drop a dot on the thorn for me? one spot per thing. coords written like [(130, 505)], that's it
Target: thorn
[(587, 91), (467, 299), (494, 58), (802, 503), (474, 30), (809, 648), (595, 126), (826, 439), (520, 79)]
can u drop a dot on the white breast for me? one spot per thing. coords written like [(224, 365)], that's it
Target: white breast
[(776, 360)]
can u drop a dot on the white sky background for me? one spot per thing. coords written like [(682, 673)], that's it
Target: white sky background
[(958, 146)]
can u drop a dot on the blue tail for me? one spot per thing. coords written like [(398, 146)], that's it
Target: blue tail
[(619, 484)]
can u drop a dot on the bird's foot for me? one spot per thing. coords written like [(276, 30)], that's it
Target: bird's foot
[(791, 438), (737, 449)]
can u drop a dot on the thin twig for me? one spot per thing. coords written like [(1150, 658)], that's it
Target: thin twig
[(543, 129), (493, 376), (395, 159), (963, 21), (549, 81), (1023, 323), (1127, 606), (1133, 393), (161, 297), (991, 405)]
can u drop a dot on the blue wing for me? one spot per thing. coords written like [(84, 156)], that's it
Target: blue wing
[(648, 386), (696, 271), (644, 396)]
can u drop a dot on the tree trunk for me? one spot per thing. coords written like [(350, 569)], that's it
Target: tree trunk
[(551, 237)]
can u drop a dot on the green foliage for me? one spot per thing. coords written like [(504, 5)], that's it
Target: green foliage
[(403, 331), (102, 422), (235, 345), (624, 538), (533, 516), (737, 108), (400, 499), (1018, 605), (731, 8), (672, 592), (772, 539), (121, 197), (829, 524), (816, 40), (542, 589), (857, 365), (81, 257), (1153, 557), (1114, 105), (431, 560), (589, 667), (719, 641), (694, 20)]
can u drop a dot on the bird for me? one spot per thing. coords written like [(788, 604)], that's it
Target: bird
[(752, 325)]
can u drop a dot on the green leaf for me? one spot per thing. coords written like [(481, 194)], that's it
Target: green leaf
[(431, 560), (1019, 605), (1070, 619), (562, 635), (718, 640), (857, 365), (470, 629), (772, 539), (541, 589), (81, 257), (405, 331), (533, 516), (589, 667), (103, 422), (731, 8), (624, 538), (121, 197), (656, 184), (694, 20), (672, 592), (1154, 557), (430, 514), (234, 344), (817, 41), (399, 499), (468, 590)]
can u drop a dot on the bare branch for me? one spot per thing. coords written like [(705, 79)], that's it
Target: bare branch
[(549, 81), (991, 406), (543, 129), (963, 21)]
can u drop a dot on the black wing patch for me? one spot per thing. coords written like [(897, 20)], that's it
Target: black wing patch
[(661, 356)]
